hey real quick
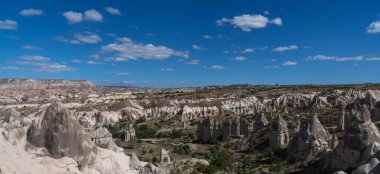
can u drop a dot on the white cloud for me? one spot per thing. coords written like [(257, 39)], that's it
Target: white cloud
[(248, 50), (122, 73), (73, 17), (30, 47), (193, 62), (374, 27), (342, 59), (95, 56), (88, 38), (91, 62), (208, 37), (113, 11), (89, 15), (44, 66), (31, 12), (197, 47), (217, 67), (286, 48), (116, 59), (276, 21), (248, 22), (167, 69), (5, 68), (93, 15), (81, 38), (266, 12), (126, 49), (8, 25), (35, 58), (289, 63), (240, 58)]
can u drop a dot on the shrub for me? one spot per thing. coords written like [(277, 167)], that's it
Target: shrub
[(132, 143), (144, 131), (176, 133), (140, 120)]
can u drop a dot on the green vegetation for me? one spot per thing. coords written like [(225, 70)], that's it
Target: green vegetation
[(193, 122), (140, 120), (144, 131), (182, 149), (132, 144), (176, 133), (115, 128), (175, 171), (220, 160)]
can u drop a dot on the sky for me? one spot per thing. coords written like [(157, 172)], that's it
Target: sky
[(183, 43)]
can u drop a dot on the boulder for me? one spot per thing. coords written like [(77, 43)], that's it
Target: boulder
[(371, 167), (279, 134), (359, 142), (135, 162), (164, 156), (60, 133), (334, 141), (150, 169), (309, 142), (260, 122)]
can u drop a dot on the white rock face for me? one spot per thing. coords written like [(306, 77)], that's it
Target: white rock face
[(371, 167), (19, 156), (360, 142), (310, 141)]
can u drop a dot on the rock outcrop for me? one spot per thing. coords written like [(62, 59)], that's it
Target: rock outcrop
[(371, 167), (279, 134), (309, 142), (164, 156), (60, 134), (361, 134), (150, 169)]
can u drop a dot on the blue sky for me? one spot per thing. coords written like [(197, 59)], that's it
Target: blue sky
[(166, 43)]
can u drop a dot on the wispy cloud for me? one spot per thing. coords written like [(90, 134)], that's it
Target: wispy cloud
[(81, 38), (91, 62), (5, 68), (289, 63), (217, 67), (193, 62), (341, 59), (8, 25), (248, 50), (30, 47), (113, 11), (44, 66), (240, 58), (127, 49), (208, 37), (35, 58), (248, 22), (285, 48), (31, 12), (197, 47)]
